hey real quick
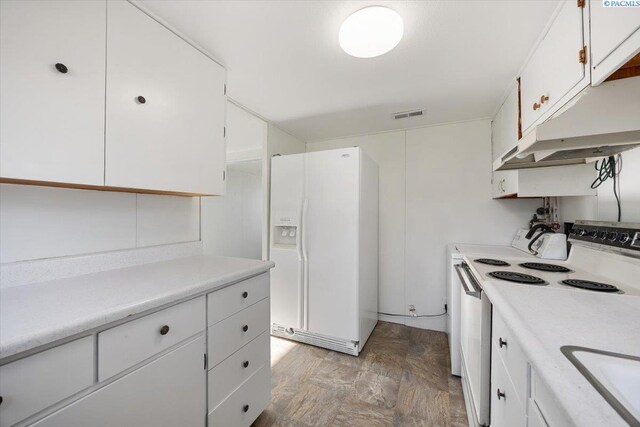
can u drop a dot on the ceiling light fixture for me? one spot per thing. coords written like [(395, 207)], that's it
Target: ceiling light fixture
[(371, 32)]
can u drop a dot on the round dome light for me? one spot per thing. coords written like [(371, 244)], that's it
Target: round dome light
[(371, 32)]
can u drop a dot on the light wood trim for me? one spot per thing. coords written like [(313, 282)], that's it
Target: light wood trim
[(98, 187), (630, 69), (519, 109)]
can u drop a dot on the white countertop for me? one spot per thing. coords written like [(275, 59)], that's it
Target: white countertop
[(38, 314), (545, 319)]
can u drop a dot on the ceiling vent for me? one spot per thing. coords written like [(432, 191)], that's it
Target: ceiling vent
[(407, 114)]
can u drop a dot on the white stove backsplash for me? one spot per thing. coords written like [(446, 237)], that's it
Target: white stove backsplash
[(548, 246)]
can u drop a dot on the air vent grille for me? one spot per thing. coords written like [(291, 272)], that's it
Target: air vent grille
[(407, 114)]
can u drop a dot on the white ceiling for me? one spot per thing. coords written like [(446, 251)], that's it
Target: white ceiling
[(455, 60)]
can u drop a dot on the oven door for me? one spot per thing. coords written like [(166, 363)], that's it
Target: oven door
[(475, 345)]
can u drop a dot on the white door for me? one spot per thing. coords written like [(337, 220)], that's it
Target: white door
[(562, 69), (615, 38), (330, 234), (167, 392), (287, 198), (52, 118), (165, 108), (532, 87)]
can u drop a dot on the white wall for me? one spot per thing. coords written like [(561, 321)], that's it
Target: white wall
[(232, 225), (435, 189), (603, 207), (46, 222)]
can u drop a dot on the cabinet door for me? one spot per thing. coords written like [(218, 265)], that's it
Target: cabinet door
[(169, 391), (172, 138), (505, 184), (532, 87), (554, 72), (615, 38), (505, 125), (506, 408), (52, 121), (562, 69)]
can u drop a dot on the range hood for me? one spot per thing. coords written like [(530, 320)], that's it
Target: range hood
[(598, 122)]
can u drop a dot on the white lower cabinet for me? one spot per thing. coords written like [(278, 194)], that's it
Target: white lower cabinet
[(169, 391), (245, 404), (506, 408), (225, 378), (239, 379), (518, 396), (34, 383), (509, 371), (154, 370)]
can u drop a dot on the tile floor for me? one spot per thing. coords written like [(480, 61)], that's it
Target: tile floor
[(400, 379)]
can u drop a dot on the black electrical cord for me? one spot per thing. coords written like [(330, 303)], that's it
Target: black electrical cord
[(610, 168), (419, 315)]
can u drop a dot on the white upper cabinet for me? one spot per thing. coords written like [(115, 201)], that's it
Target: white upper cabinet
[(504, 127), (572, 180), (52, 72), (556, 71), (165, 108), (615, 38)]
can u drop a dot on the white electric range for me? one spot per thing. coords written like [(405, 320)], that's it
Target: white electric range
[(604, 258)]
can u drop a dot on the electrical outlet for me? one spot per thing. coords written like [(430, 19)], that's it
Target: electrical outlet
[(412, 310)]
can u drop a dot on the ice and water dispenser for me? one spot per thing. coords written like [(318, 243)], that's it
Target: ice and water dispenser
[(285, 230)]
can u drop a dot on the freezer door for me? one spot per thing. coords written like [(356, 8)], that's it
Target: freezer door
[(287, 190), (330, 234)]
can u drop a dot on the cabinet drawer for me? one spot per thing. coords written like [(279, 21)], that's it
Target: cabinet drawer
[(31, 384), (245, 404), (511, 354), (508, 410), (234, 332), (121, 347), (236, 369), (168, 392), (230, 300)]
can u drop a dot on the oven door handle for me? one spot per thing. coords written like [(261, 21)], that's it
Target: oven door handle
[(469, 285)]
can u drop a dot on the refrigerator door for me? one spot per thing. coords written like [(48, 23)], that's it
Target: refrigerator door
[(330, 242), (287, 191)]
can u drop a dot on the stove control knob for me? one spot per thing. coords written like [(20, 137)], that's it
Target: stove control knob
[(593, 234), (602, 235), (573, 232), (582, 232), (624, 238), (613, 236)]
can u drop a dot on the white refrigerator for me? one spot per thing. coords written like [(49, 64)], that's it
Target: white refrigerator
[(324, 242)]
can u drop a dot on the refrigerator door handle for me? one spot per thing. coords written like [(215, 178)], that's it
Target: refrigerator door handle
[(305, 269)]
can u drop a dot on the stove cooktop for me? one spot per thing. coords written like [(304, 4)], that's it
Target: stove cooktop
[(541, 266), (513, 276), (590, 285), (490, 261)]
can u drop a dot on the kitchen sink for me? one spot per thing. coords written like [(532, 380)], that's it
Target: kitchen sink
[(616, 377)]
